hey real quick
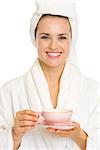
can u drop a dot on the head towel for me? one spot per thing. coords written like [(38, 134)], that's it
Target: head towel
[(57, 7)]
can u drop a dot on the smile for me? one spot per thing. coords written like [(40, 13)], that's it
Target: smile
[(53, 54)]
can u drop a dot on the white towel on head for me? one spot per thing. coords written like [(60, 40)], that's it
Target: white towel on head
[(57, 7)]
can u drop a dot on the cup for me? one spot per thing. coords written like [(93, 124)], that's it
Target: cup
[(56, 116)]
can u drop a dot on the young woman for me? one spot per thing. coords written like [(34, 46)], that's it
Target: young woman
[(53, 82)]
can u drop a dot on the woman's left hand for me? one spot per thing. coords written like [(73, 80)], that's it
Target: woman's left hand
[(76, 134), (66, 133)]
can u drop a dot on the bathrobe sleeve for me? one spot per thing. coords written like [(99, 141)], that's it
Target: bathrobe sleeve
[(93, 141), (6, 141), (6, 119)]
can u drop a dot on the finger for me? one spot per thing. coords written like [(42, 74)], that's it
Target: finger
[(27, 117), (60, 132), (25, 129), (27, 123), (20, 116), (51, 129), (64, 133), (76, 124), (28, 112)]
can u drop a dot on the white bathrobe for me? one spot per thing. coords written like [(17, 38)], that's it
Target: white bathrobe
[(30, 91)]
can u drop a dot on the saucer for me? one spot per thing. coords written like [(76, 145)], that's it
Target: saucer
[(66, 126), (60, 127)]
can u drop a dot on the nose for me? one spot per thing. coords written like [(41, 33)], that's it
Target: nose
[(53, 44)]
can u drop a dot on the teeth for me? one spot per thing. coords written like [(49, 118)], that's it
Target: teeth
[(54, 54)]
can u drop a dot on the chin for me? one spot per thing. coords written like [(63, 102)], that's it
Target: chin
[(54, 64)]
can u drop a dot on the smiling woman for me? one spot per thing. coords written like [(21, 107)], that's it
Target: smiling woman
[(53, 84)]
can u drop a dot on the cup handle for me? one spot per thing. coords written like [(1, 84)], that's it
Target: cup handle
[(41, 118)]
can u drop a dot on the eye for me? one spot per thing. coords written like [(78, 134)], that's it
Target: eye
[(63, 38), (44, 37)]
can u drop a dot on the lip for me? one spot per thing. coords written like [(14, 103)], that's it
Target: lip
[(53, 51)]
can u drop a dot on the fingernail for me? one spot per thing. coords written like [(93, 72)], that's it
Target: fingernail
[(37, 116), (50, 130)]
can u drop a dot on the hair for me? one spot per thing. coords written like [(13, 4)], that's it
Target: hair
[(45, 15)]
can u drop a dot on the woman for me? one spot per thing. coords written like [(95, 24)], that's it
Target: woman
[(54, 81)]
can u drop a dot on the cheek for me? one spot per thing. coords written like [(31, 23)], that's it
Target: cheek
[(38, 43), (66, 47), (42, 45), (40, 51)]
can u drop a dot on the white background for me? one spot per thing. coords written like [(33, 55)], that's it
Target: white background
[(17, 53)]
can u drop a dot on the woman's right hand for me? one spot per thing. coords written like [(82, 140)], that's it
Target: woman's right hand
[(24, 121)]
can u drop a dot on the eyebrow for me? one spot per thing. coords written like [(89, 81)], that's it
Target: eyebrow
[(58, 34)]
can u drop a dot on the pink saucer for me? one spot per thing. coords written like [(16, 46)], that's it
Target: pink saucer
[(45, 124)]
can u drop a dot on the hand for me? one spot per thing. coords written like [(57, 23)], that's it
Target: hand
[(76, 134), (66, 133), (24, 121)]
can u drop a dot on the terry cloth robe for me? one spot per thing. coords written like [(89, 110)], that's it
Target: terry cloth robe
[(30, 91)]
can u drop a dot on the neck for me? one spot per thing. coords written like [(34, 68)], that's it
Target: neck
[(52, 74)]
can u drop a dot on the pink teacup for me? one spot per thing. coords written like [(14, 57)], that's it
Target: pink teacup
[(55, 116)]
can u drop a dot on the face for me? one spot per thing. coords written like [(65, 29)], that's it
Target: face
[(53, 39)]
